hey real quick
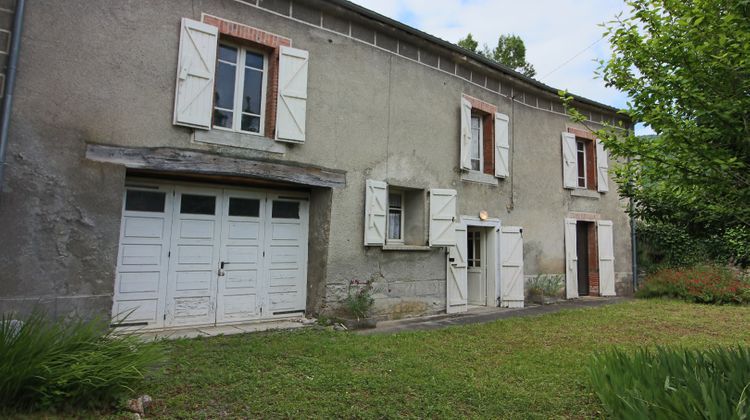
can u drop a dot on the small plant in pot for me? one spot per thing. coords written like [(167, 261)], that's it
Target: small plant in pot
[(358, 305), (545, 288)]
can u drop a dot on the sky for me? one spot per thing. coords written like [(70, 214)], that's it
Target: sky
[(558, 34)]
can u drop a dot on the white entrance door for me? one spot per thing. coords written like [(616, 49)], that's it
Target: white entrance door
[(476, 267), (511, 257), (196, 229), (456, 293), (240, 275), (286, 254)]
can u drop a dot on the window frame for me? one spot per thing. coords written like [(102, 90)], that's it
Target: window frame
[(581, 151), (402, 211), (480, 140), (473, 239), (239, 85)]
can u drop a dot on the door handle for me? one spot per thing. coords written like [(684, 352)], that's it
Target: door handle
[(451, 259), (221, 268)]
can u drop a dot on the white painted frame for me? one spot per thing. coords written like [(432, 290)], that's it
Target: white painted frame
[(480, 141), (585, 174), (402, 209), (492, 260), (239, 85)]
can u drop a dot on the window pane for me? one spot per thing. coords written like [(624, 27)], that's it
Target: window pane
[(224, 92), (197, 204), (477, 250), (394, 200), (246, 207), (285, 210), (254, 60), (222, 118), (252, 91), (228, 53), (250, 123), (470, 247), (136, 200), (475, 164), (394, 224)]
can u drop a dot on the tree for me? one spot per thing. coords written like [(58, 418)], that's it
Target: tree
[(686, 68), (468, 43), (510, 51)]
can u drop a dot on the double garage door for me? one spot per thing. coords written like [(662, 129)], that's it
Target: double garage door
[(193, 255)]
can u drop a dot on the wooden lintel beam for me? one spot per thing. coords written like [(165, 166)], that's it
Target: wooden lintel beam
[(172, 160)]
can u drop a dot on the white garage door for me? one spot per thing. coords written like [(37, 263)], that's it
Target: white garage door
[(199, 255)]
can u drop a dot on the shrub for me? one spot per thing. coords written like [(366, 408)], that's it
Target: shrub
[(673, 383), (56, 364), (360, 301), (702, 284)]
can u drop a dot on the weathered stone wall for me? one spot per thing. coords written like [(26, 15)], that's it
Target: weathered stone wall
[(382, 104)]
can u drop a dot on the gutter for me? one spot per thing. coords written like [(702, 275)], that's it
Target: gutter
[(367, 13), (10, 83)]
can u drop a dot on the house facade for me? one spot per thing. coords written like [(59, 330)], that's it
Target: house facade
[(220, 161)]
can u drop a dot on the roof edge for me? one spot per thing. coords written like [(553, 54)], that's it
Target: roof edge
[(455, 48)]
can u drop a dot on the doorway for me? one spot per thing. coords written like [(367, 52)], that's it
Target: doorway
[(476, 266), (582, 249)]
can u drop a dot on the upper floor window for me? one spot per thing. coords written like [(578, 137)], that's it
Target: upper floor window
[(240, 90), (477, 146), (581, 151)]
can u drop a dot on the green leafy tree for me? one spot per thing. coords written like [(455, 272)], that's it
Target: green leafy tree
[(686, 68), (468, 43), (510, 51)]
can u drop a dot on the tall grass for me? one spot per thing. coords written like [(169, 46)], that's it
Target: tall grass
[(673, 383), (55, 364)]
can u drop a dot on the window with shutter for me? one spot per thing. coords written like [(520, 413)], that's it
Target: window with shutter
[(376, 196), (442, 217), (196, 65), (602, 164), (292, 99), (502, 146), (570, 160)]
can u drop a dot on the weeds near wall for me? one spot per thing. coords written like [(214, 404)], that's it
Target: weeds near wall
[(673, 383), (54, 364), (359, 300)]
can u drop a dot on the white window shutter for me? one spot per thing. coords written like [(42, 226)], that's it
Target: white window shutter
[(196, 64), (442, 217), (571, 259), (376, 208), (465, 140), (606, 257), (292, 101), (502, 146), (602, 167), (456, 288), (511, 257), (570, 160)]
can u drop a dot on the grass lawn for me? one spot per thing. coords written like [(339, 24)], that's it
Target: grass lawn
[(532, 367)]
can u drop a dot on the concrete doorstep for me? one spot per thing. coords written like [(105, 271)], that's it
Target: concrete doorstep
[(479, 315)]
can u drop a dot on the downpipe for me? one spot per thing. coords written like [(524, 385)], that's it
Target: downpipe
[(10, 83)]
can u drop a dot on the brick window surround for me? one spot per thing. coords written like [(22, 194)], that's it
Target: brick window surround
[(265, 41), (487, 112), (590, 146)]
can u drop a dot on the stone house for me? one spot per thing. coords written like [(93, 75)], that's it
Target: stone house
[(198, 162)]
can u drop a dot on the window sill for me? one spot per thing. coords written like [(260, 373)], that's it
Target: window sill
[(580, 192), (479, 177), (400, 247), (241, 140)]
